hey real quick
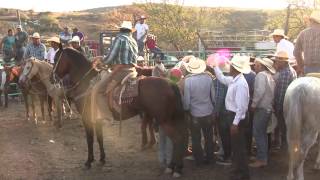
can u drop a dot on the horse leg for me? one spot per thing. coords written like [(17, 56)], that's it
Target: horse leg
[(6, 99), (49, 108), (26, 104), (58, 105), (1, 97), (144, 135), (89, 133), (317, 164), (296, 165), (42, 99), (99, 133), (33, 108), (151, 133)]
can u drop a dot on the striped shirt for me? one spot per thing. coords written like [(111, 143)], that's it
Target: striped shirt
[(39, 52), (123, 51), (285, 77), (307, 47)]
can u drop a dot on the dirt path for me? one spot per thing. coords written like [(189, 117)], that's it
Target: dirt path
[(44, 153)]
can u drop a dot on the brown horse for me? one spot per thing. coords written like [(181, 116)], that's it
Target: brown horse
[(157, 97)]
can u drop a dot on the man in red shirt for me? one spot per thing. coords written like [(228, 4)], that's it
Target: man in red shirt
[(151, 44)]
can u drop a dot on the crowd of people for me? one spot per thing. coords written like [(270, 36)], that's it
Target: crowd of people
[(239, 96)]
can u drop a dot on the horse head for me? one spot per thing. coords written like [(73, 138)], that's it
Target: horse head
[(29, 70)]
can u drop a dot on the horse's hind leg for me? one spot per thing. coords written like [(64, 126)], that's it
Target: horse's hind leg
[(308, 139), (42, 99), (317, 164), (89, 133), (144, 135), (99, 133), (6, 99), (151, 132), (49, 108)]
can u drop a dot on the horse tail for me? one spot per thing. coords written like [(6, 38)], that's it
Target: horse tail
[(179, 112), (293, 109)]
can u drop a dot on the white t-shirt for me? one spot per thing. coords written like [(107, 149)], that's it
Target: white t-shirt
[(287, 46), (50, 55), (141, 30)]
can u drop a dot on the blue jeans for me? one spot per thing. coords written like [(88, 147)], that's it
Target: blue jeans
[(165, 148), (311, 69), (260, 124)]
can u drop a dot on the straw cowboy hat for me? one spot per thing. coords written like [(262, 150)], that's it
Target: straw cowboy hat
[(75, 39), (54, 39), (225, 67), (19, 27), (36, 35), (278, 32), (268, 63), (140, 58), (315, 15), (196, 66), (126, 25), (241, 64), (281, 56)]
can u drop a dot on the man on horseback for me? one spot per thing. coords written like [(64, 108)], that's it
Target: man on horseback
[(123, 54)]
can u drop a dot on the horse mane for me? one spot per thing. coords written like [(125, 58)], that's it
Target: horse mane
[(75, 55)]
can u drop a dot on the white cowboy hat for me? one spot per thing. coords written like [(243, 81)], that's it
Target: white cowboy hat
[(143, 17), (241, 64), (75, 39), (54, 39), (268, 63), (315, 15), (36, 35), (126, 25), (140, 58), (278, 32), (281, 56), (1, 67), (196, 66), (19, 27)]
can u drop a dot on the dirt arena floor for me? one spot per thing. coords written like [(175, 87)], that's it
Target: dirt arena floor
[(30, 152)]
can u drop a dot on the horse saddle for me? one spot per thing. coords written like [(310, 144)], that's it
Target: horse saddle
[(317, 75), (125, 92)]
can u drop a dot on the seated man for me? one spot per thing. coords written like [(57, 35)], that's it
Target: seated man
[(36, 48), (122, 57), (75, 44), (151, 44)]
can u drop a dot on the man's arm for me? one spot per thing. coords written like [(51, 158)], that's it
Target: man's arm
[(186, 96), (222, 78), (241, 100), (298, 51), (43, 51), (113, 53), (259, 89)]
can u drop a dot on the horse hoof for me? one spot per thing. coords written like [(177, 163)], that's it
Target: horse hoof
[(87, 165), (168, 171), (176, 175), (317, 166), (102, 161)]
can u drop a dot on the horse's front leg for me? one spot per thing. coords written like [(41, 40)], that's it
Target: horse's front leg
[(89, 134), (317, 164), (58, 106), (99, 133), (144, 135), (50, 108), (6, 98), (151, 132), (42, 99)]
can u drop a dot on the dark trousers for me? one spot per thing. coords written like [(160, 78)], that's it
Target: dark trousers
[(240, 169), (281, 131), (249, 130), (224, 125), (203, 124)]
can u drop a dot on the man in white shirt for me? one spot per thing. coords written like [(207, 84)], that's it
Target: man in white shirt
[(283, 44), (262, 107), (142, 30), (237, 101), (54, 43)]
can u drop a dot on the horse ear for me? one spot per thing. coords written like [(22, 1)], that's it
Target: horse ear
[(60, 46)]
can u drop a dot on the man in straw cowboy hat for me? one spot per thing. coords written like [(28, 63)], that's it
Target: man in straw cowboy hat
[(237, 101), (262, 107), (285, 75), (283, 44), (21, 40), (142, 30), (199, 102), (307, 48), (54, 43), (36, 48), (122, 57)]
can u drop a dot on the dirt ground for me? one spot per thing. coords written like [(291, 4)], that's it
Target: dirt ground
[(29, 152)]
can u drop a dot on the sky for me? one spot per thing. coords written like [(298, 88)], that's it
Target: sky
[(73, 5)]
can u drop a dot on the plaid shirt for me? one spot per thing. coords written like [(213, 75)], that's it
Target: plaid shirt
[(220, 96), (308, 44), (124, 50), (38, 52), (285, 77)]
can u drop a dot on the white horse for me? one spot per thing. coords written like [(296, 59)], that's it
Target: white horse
[(302, 115)]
